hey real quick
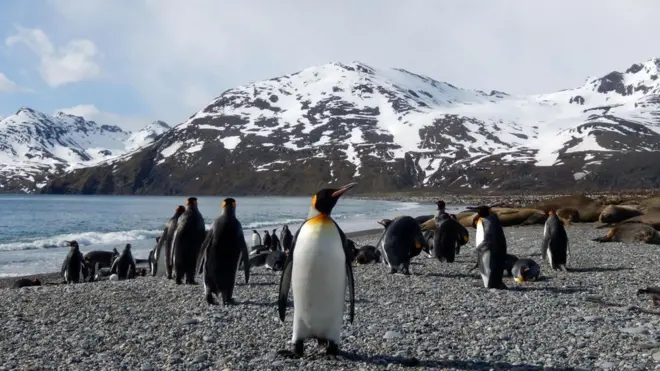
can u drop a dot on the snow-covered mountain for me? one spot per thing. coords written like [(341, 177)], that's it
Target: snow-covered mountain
[(391, 129), (35, 147)]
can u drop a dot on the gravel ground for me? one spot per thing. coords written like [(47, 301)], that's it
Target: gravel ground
[(438, 318)]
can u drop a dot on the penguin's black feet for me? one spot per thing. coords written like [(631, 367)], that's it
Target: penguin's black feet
[(392, 270), (229, 301), (332, 349), (178, 281), (405, 271), (210, 299), (296, 351), (169, 276), (322, 342), (191, 282)]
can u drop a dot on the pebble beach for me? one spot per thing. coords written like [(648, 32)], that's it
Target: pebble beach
[(439, 318)]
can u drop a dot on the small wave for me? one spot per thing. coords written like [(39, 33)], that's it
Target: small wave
[(84, 239)]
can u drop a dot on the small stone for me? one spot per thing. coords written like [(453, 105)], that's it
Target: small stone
[(208, 339), (392, 335), (656, 356), (607, 365), (593, 318), (635, 330), (200, 358), (191, 321)]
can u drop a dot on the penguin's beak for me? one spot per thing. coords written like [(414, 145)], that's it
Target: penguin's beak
[(343, 190)]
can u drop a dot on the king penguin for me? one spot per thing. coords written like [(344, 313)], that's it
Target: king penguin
[(163, 251), (267, 239), (223, 249), (73, 268), (318, 269), (124, 264), (401, 241), (491, 247), (256, 238), (555, 242), (187, 241), (287, 238)]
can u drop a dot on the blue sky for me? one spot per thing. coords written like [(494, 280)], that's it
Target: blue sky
[(129, 62)]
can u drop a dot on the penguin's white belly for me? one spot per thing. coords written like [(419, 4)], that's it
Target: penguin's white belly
[(160, 261), (255, 240), (549, 254), (479, 234), (318, 282), (485, 273)]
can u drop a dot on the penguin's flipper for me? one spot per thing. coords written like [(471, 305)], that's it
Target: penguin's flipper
[(244, 254), (285, 278), (545, 244), (201, 258), (349, 271)]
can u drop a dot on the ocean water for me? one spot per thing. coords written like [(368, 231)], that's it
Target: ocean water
[(34, 228)]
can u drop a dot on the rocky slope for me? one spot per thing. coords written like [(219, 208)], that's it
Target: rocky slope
[(36, 147), (391, 129)]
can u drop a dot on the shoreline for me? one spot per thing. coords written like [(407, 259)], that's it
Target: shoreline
[(55, 278)]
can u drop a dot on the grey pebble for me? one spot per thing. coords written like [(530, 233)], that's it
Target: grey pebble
[(392, 335), (593, 318), (635, 330)]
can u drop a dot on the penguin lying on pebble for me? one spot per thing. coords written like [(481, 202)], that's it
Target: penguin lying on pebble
[(367, 254), (26, 282), (525, 270)]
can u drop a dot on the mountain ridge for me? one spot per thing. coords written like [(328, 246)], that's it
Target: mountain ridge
[(35, 146), (391, 129)]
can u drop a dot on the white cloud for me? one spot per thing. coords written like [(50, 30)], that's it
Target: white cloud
[(177, 53), (8, 86), (91, 112), (73, 62)]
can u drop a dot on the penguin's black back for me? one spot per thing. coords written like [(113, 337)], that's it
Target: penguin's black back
[(73, 265), (558, 243), (190, 233), (401, 239), (223, 253), (103, 258), (445, 239)]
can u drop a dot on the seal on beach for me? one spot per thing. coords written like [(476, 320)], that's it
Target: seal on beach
[(616, 214), (286, 237), (318, 269), (73, 268), (26, 282), (97, 259), (526, 269), (401, 241), (588, 209), (555, 243), (367, 254), (187, 241), (631, 233), (162, 255), (256, 238), (275, 244), (124, 265), (491, 247), (223, 247)]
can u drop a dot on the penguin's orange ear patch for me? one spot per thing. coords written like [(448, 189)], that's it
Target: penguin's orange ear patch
[(466, 238), (418, 245), (224, 204)]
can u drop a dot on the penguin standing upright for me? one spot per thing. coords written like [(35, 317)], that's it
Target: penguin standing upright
[(287, 238), (464, 235), (555, 242), (401, 241), (446, 237), (124, 265), (491, 247), (187, 241), (267, 240), (73, 268), (275, 241), (222, 251), (318, 269), (163, 253), (256, 238)]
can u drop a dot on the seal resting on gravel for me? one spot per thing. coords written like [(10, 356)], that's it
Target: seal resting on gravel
[(631, 233), (616, 213), (588, 209)]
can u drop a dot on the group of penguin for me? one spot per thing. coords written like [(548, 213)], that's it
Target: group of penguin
[(93, 264), (316, 262)]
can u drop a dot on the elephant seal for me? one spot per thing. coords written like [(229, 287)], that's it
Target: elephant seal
[(631, 232), (616, 213), (508, 217), (588, 208), (568, 215)]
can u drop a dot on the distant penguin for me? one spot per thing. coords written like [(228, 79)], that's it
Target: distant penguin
[(73, 268), (162, 255), (187, 241), (25, 282), (525, 270), (491, 247), (275, 241), (124, 265), (287, 238), (401, 241), (367, 254), (98, 259), (256, 238), (275, 260), (223, 248), (446, 238), (267, 239), (318, 269), (555, 242), (428, 237)]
